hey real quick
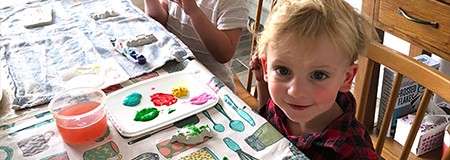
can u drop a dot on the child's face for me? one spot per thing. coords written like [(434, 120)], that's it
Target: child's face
[(304, 78)]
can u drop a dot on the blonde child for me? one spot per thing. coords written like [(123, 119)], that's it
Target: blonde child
[(210, 28), (307, 53)]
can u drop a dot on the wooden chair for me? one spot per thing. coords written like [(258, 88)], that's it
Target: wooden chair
[(245, 92), (254, 29), (242, 93), (405, 66)]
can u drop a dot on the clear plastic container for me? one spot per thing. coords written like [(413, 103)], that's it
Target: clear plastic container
[(80, 115)]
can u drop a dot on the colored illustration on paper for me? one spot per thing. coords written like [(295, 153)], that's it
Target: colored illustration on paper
[(59, 156), (40, 115), (201, 154), (32, 126), (232, 145), (296, 154), (234, 124), (109, 150), (169, 149), (6, 126), (263, 137), (35, 144), (216, 126), (215, 84), (6, 153), (147, 156), (40, 123), (240, 111)]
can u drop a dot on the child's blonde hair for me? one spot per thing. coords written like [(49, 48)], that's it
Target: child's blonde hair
[(310, 19)]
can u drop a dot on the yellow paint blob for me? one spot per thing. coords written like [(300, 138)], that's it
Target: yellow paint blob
[(180, 92)]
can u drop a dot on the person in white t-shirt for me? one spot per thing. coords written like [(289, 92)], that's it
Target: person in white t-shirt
[(210, 28)]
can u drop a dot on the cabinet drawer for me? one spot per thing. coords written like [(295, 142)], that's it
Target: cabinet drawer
[(431, 36)]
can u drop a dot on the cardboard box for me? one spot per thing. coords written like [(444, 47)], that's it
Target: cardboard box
[(409, 96), (429, 137)]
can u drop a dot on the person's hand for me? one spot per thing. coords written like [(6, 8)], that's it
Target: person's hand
[(256, 68), (189, 6)]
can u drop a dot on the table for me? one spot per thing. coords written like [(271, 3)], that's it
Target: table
[(32, 133), (36, 136)]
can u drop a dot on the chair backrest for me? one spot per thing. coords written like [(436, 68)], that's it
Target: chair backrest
[(432, 80), (254, 29)]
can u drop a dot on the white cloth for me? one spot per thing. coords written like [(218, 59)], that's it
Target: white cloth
[(225, 14)]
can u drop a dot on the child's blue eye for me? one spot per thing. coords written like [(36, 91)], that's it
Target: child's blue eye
[(319, 75), (283, 71)]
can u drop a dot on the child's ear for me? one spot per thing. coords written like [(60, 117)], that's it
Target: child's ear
[(349, 75), (263, 61)]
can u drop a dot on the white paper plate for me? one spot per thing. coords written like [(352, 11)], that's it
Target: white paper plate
[(122, 117)]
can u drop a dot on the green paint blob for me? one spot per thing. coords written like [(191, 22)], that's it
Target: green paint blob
[(171, 110), (225, 158), (146, 114), (132, 100), (193, 130)]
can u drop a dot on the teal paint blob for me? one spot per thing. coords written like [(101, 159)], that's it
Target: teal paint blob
[(132, 100)]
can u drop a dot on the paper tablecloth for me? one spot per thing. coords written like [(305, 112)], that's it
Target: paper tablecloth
[(36, 137)]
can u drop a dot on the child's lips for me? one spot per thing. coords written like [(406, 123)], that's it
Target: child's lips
[(299, 107)]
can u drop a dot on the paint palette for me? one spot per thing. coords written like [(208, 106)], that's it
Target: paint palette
[(122, 117)]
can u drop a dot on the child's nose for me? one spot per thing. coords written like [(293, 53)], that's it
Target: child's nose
[(298, 88)]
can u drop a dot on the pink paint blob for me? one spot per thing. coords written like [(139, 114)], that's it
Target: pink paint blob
[(160, 99), (201, 99)]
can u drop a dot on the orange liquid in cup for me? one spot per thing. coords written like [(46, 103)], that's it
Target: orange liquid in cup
[(83, 131)]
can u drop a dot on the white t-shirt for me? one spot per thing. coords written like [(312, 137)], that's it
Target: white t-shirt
[(225, 14)]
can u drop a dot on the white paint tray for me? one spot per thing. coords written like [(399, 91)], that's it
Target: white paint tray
[(122, 117)]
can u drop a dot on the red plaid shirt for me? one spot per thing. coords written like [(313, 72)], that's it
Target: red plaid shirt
[(344, 138)]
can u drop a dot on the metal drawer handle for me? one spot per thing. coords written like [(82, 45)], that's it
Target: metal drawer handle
[(417, 20)]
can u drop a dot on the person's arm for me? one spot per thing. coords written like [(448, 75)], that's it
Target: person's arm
[(157, 9), (220, 43)]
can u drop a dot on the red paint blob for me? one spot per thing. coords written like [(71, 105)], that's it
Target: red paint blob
[(160, 99)]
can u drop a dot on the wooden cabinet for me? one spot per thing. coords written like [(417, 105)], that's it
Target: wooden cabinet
[(423, 23)]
